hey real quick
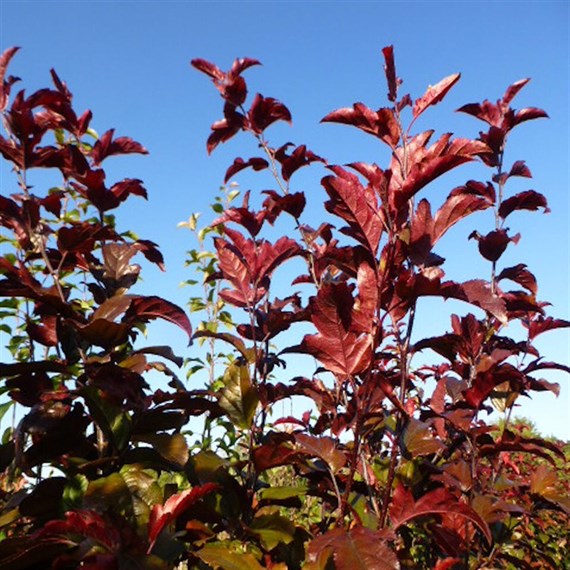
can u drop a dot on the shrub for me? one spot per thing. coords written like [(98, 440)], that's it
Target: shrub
[(392, 467)]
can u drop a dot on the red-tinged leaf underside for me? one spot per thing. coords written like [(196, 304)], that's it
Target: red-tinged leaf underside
[(350, 201), (5, 84), (454, 209), (163, 515), (434, 94), (265, 111), (477, 292), (528, 200), (542, 324), (390, 72), (323, 447), (340, 350), (381, 123), (356, 549), (521, 275), (86, 523), (153, 307), (105, 146), (428, 163), (439, 501)]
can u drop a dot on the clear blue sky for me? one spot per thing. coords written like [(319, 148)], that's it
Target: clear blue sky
[(128, 62)]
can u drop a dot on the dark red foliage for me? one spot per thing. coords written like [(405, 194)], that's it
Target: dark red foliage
[(391, 460)]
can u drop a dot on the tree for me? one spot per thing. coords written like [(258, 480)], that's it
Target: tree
[(382, 472)]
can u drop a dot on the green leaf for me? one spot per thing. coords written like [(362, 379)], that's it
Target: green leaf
[(272, 529), (4, 408), (282, 493), (173, 448), (418, 439), (239, 398), (219, 555)]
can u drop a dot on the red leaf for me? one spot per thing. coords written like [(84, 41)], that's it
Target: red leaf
[(208, 68), (251, 221), (434, 94), (529, 114), (447, 564), (150, 250), (122, 190), (486, 111), (457, 206), (265, 111), (235, 341), (528, 200), (477, 292), (163, 515), (519, 168), (439, 501), (390, 71), (45, 333), (381, 123), (6, 84), (241, 64), (86, 523), (239, 164), (293, 204), (512, 91), (359, 548), (269, 256), (324, 448), (105, 146), (226, 128), (356, 205), (521, 275), (152, 307), (341, 351), (494, 244), (273, 454), (542, 324), (297, 159), (429, 163)]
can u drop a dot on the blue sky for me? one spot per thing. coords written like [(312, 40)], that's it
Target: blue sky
[(128, 63)]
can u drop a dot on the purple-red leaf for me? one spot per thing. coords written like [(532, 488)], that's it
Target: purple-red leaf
[(293, 204), (542, 324), (528, 200), (521, 275), (240, 164), (390, 71), (439, 501), (457, 206), (381, 123), (322, 447), (208, 68), (163, 515), (494, 244), (339, 349), (529, 114), (297, 159), (434, 94), (105, 146), (359, 548), (6, 84), (428, 163), (265, 111), (512, 91), (356, 205), (152, 307)]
